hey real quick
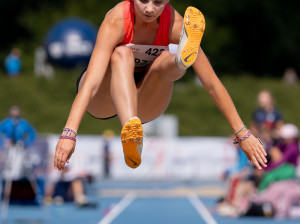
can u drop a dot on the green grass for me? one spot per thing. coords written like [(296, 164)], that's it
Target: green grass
[(46, 103), (199, 116)]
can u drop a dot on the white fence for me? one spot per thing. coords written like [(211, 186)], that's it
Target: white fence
[(182, 158)]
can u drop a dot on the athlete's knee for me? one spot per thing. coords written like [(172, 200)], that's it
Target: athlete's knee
[(157, 65), (122, 54), (165, 53)]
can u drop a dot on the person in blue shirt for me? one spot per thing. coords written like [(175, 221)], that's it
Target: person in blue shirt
[(13, 63), (241, 164), (267, 119), (16, 130)]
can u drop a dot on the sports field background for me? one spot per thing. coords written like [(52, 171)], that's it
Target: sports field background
[(46, 103), (249, 43), (121, 202)]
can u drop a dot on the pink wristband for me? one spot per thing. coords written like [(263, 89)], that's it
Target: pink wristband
[(67, 137), (68, 133), (238, 140)]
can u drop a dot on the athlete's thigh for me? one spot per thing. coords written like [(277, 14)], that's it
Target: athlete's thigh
[(154, 94), (101, 104)]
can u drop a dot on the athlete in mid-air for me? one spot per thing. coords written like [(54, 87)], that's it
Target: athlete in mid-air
[(131, 75)]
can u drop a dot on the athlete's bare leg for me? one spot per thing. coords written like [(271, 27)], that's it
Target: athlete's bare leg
[(153, 96), (118, 94), (123, 88), (147, 101), (101, 104), (155, 92)]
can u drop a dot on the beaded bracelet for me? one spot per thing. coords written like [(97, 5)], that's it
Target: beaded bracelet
[(238, 140), (241, 129), (68, 133), (67, 137)]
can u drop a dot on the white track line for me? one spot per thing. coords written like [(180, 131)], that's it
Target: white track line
[(119, 208), (201, 209)]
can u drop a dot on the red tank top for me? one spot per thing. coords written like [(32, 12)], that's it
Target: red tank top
[(162, 38)]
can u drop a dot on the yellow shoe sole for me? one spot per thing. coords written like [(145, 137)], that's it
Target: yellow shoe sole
[(192, 33), (132, 141)]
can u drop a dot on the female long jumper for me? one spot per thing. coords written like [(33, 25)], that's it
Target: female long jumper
[(131, 74)]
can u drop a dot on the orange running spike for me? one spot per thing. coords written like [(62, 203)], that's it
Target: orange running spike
[(132, 141)]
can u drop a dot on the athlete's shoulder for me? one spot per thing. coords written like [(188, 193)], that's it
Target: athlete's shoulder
[(113, 23), (112, 27)]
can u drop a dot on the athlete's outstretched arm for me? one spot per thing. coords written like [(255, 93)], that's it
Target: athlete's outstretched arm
[(109, 35), (251, 146)]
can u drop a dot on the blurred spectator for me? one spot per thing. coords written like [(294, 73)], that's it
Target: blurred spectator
[(18, 183), (290, 76), (107, 136), (41, 66), (281, 199), (269, 196), (284, 157), (267, 120), (287, 150), (66, 186), (240, 165), (239, 172), (16, 130), (298, 169), (13, 63), (284, 196)]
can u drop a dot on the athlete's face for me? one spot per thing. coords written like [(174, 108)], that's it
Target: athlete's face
[(149, 10)]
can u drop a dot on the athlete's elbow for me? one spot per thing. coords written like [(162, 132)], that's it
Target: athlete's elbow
[(214, 90), (208, 86), (213, 86)]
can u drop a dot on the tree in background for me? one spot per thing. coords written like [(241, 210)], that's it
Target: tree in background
[(254, 36)]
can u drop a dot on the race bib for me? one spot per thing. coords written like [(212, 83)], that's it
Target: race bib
[(145, 54)]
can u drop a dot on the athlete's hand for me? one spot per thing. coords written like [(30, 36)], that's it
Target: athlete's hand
[(254, 151), (64, 151)]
